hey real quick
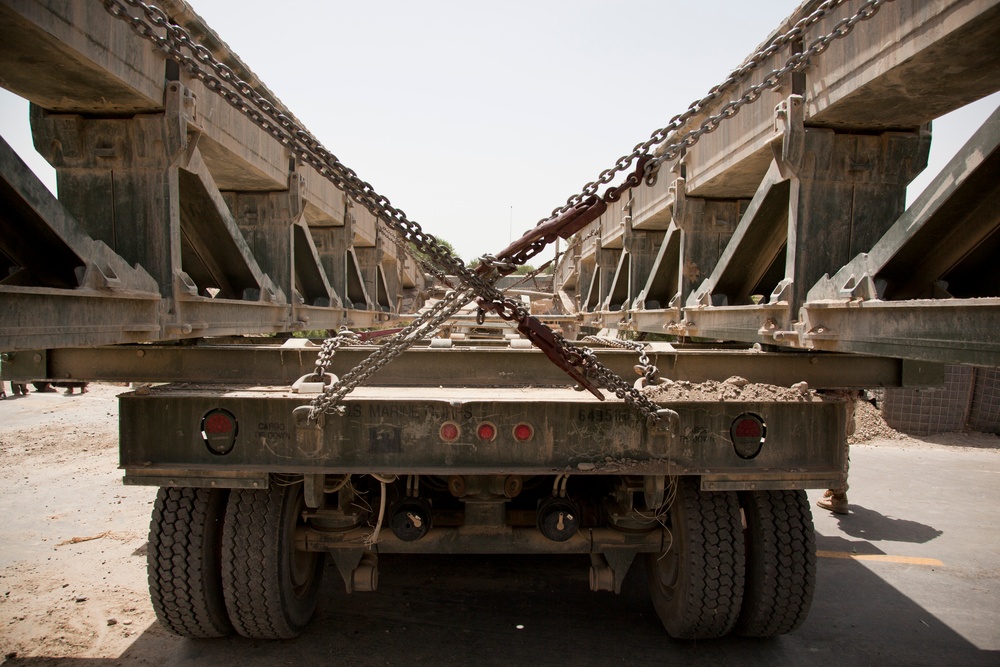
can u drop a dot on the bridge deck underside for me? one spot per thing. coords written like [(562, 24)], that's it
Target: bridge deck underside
[(787, 225)]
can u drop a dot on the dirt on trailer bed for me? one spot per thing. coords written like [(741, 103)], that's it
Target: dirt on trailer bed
[(732, 389)]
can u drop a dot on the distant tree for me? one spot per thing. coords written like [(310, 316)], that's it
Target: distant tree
[(546, 269), (424, 256), (446, 244)]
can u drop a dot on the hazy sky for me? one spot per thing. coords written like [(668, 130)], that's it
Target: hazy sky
[(478, 118)]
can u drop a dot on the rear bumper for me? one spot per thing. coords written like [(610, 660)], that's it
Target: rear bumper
[(399, 432)]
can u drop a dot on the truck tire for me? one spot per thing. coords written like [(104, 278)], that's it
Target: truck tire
[(697, 583), (270, 588), (780, 562), (182, 562)]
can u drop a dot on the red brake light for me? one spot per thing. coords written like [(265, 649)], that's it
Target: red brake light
[(748, 427), (219, 429), (747, 433), (218, 423)]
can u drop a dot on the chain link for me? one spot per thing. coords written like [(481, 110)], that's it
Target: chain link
[(177, 43), (605, 377), (645, 367), (329, 400), (330, 346)]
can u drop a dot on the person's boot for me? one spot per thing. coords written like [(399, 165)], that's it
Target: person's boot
[(835, 502)]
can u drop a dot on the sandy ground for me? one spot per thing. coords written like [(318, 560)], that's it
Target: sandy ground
[(72, 564)]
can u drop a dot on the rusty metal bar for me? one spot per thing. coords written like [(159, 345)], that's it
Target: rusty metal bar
[(480, 367)]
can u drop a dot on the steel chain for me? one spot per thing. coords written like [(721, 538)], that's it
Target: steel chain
[(329, 399), (648, 370), (671, 151), (330, 346), (285, 130), (771, 80), (289, 133), (605, 377), (533, 275)]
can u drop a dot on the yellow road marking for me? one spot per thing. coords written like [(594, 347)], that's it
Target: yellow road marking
[(882, 558)]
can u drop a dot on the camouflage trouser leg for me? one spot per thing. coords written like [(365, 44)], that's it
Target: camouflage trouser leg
[(841, 486)]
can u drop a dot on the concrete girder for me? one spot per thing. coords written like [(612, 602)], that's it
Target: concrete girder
[(60, 285), (951, 229), (888, 74)]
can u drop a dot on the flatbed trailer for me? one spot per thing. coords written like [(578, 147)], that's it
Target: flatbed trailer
[(464, 447), (451, 451)]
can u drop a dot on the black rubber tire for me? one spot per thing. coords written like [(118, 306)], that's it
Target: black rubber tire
[(697, 584), (270, 588), (780, 565), (183, 562)]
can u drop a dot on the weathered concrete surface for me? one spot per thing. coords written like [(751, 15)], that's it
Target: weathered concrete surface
[(909, 64), (68, 56)]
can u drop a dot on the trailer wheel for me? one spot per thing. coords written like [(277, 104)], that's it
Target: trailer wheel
[(780, 565), (183, 564), (270, 587), (697, 583)]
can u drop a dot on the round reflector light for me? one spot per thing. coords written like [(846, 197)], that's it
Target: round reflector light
[(523, 432), (486, 432), (450, 431), (747, 433)]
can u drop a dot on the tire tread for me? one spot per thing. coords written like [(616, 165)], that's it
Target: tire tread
[(714, 561), (781, 563), (259, 602), (182, 562)]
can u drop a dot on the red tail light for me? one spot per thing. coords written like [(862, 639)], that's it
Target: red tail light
[(219, 429), (747, 433)]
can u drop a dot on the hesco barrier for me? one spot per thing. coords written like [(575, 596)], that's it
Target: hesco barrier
[(984, 413), (969, 398)]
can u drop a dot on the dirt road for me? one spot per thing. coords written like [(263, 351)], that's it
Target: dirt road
[(73, 577), (72, 565)]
